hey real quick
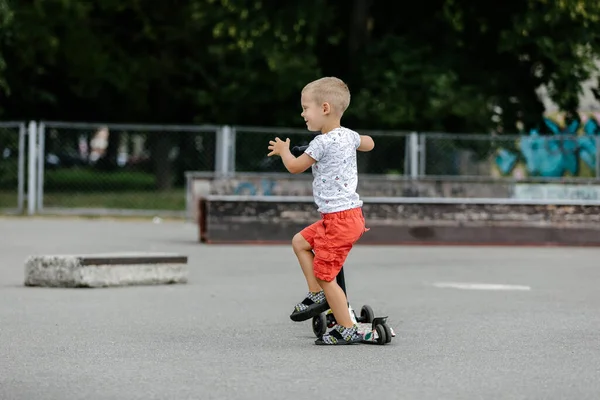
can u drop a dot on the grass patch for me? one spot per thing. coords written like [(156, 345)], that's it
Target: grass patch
[(88, 188), (173, 200), (91, 180), (9, 199)]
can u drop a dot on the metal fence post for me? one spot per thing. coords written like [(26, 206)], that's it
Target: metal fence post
[(222, 151), (31, 168), (225, 151), (414, 155), (219, 151), (231, 151), (597, 157), (406, 155), (422, 154), (21, 169), (41, 133)]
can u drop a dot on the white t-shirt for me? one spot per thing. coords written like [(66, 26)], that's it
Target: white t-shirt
[(335, 173)]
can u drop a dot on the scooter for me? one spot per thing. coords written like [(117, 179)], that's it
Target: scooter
[(373, 329)]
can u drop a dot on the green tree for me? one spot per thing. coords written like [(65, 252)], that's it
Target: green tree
[(442, 65), (508, 51), (6, 17)]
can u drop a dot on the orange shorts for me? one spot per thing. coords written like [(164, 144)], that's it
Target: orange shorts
[(332, 238)]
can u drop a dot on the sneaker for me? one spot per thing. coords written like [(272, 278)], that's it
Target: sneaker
[(340, 335), (313, 305)]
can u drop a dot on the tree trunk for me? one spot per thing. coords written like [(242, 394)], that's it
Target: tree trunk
[(160, 149), (108, 162), (358, 32)]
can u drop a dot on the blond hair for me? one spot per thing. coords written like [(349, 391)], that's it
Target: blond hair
[(331, 90)]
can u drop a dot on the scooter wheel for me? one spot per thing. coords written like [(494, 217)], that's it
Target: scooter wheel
[(366, 314), (381, 334), (319, 325), (388, 333)]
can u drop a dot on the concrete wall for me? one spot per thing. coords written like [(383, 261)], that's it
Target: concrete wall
[(277, 222), (369, 186)]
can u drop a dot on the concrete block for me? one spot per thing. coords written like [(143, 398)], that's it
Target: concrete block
[(104, 270)]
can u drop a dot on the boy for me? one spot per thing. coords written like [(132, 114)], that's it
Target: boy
[(322, 247)]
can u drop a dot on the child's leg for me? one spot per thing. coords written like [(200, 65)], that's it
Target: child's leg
[(343, 230), (314, 303), (336, 298), (305, 255), (344, 331)]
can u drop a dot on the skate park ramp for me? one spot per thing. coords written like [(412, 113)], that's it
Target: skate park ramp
[(470, 322)]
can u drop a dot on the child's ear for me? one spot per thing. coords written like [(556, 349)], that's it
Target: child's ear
[(326, 108)]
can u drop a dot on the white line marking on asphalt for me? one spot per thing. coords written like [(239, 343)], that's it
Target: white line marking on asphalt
[(479, 286)]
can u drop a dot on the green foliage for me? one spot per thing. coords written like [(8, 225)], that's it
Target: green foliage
[(6, 17), (9, 152), (515, 47), (442, 65)]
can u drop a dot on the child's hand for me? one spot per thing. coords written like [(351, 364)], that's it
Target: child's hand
[(278, 146)]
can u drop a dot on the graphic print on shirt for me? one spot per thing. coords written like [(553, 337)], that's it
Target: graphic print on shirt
[(335, 174)]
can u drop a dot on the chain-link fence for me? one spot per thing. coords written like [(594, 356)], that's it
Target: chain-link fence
[(128, 167), (509, 157), (390, 155), (12, 166), (143, 169), (251, 147)]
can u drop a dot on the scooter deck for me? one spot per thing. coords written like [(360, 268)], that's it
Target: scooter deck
[(365, 329), (369, 335)]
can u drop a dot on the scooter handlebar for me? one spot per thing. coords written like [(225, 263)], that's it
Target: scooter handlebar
[(298, 150)]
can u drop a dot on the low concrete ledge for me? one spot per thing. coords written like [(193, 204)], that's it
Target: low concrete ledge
[(104, 270), (405, 221)]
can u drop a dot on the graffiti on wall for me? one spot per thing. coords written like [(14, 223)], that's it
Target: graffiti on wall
[(265, 188), (569, 150)]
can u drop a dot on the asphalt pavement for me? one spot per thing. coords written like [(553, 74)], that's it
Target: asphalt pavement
[(471, 322)]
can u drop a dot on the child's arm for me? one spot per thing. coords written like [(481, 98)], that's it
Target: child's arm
[(296, 165), (366, 143)]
